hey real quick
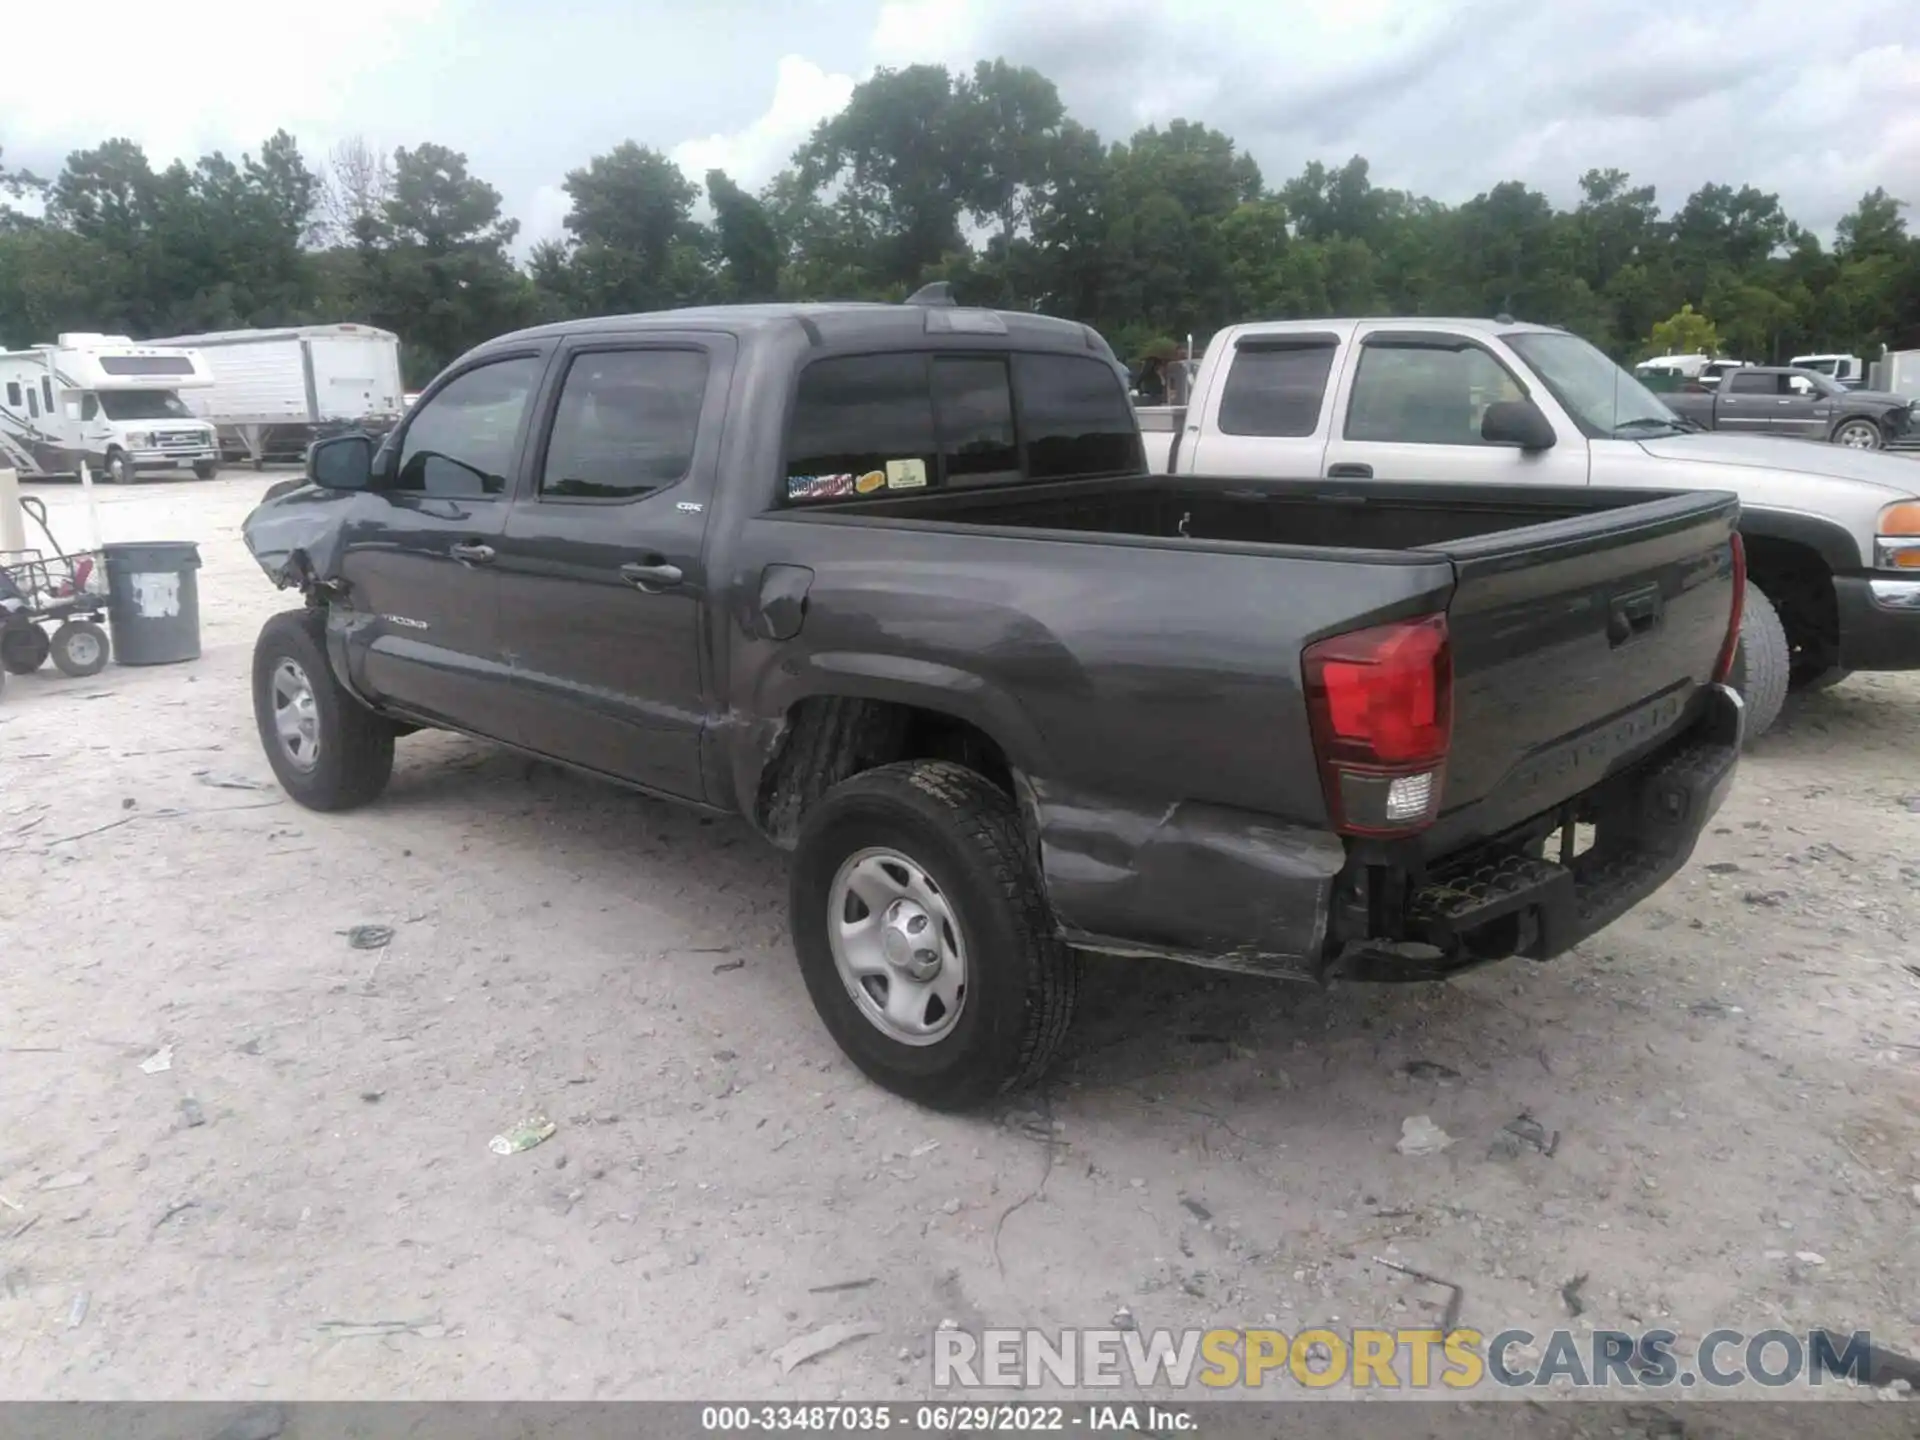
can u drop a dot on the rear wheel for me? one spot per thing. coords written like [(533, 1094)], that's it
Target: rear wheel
[(1761, 662), (80, 649), (23, 648), (1858, 435), (328, 750), (924, 936)]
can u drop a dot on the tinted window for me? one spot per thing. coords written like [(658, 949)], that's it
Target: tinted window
[(46, 393), (1749, 384), (89, 406), (1076, 418), (973, 412), (146, 364), (1275, 391), (462, 442), (33, 404), (626, 423), (1419, 396), (861, 424), (13, 393)]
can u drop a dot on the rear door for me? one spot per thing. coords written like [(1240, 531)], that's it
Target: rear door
[(601, 566), (1409, 408), (1750, 403), (1267, 415), (418, 555)]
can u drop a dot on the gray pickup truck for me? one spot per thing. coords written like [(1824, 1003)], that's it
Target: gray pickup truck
[(893, 583), (1796, 404)]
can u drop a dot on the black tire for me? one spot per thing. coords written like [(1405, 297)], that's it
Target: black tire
[(205, 470), (1858, 435), (1021, 981), (119, 468), (353, 759), (1761, 663), (81, 648), (1825, 680), (23, 648)]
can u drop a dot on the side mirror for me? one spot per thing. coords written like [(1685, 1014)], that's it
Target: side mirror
[(1517, 422), (342, 462)]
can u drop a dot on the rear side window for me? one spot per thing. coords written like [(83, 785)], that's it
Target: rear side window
[(13, 393), (1275, 391), (46, 393), (626, 424), (1738, 384), (1075, 418)]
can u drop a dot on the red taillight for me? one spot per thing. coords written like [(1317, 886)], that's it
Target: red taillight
[(1381, 704), (1724, 669)]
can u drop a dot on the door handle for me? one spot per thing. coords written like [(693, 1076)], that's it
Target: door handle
[(1349, 470), (470, 553), (652, 577)]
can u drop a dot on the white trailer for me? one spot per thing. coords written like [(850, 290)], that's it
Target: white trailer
[(104, 400), (1898, 373), (276, 391)]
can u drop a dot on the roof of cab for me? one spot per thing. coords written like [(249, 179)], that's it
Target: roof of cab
[(1478, 325), (837, 324)]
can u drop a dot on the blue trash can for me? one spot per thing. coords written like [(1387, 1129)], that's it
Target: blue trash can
[(153, 601)]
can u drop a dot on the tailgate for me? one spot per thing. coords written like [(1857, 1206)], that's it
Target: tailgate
[(1578, 645)]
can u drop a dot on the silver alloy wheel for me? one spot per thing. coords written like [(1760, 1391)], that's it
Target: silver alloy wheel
[(296, 716), (83, 649), (897, 946), (1858, 435)]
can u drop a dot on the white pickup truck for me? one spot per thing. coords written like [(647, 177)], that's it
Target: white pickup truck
[(1832, 536)]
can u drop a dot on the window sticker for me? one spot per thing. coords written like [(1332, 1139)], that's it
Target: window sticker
[(906, 474), (870, 482), (819, 487)]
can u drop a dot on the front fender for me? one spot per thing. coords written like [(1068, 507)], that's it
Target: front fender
[(297, 535)]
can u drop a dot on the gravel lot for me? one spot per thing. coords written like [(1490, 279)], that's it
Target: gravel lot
[(1733, 1073)]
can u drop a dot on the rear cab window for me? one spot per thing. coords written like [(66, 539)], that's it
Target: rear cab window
[(1276, 388), (866, 425)]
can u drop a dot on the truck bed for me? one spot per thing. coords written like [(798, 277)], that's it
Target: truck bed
[(1584, 623)]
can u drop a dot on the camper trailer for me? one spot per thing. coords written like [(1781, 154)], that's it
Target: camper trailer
[(107, 401), (275, 392)]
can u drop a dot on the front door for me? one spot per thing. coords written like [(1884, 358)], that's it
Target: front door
[(1410, 408), (1805, 410), (602, 578), (418, 557)]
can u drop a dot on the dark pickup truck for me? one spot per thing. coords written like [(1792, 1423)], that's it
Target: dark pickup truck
[(892, 583), (1803, 404)]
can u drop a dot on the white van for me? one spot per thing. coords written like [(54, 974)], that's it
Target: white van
[(107, 401), (1849, 370)]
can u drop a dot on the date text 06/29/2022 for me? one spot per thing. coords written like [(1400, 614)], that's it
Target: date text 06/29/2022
[(947, 1419)]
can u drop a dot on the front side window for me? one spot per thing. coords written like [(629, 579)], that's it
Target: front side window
[(626, 424), (1420, 395), (89, 407), (1603, 399), (1275, 390), (463, 441)]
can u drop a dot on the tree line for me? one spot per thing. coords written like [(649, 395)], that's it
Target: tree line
[(980, 178)]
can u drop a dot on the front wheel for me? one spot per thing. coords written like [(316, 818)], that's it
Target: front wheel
[(205, 470), (23, 648), (924, 937), (119, 469), (80, 649), (1858, 435), (1761, 663), (328, 750)]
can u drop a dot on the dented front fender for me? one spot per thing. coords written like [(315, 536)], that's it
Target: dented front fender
[(297, 534)]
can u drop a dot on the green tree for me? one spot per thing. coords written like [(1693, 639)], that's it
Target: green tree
[(1685, 332), (746, 239)]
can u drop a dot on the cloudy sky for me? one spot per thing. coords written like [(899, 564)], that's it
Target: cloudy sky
[(1818, 101)]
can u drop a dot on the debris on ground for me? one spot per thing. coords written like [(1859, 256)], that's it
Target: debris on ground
[(1457, 1294), (1809, 1257), (1420, 1136), (77, 1312), (926, 1147), (368, 937), (1196, 1209), (1523, 1129), (839, 1285), (227, 782), (1766, 899), (357, 1329), (1570, 1292), (726, 965), (192, 1116), (1429, 1070), (161, 1059), (66, 1180), (524, 1136), (812, 1346), (1123, 1319)]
